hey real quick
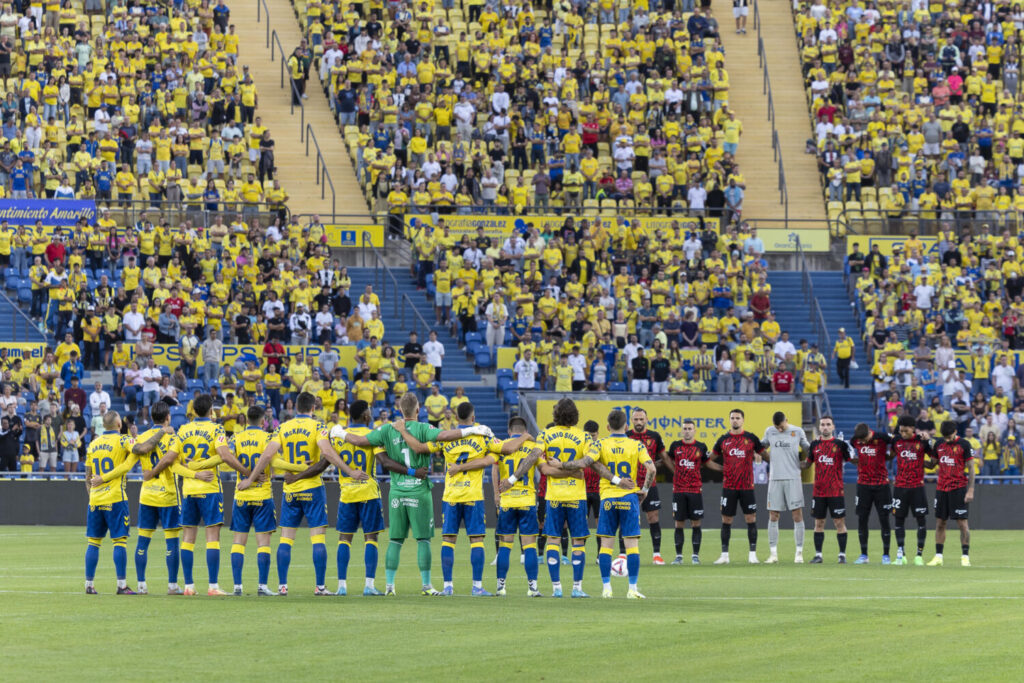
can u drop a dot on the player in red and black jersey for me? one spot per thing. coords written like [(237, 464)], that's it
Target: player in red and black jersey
[(593, 483), (684, 458), (828, 455), (872, 455), (908, 498), (954, 490), (738, 449), (652, 503)]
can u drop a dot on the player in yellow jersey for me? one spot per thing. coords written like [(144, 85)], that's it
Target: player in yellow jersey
[(303, 440), (201, 441), (156, 451), (517, 509), (463, 499), (108, 502), (254, 507), (359, 502), (619, 460), (566, 496)]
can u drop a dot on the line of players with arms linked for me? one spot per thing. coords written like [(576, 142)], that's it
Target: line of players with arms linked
[(563, 454)]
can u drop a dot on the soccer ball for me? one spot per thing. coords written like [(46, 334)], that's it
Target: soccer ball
[(619, 566)]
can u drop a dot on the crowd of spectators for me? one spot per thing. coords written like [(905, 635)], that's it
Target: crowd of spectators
[(942, 333), (131, 101), (917, 108), (516, 107), (598, 305)]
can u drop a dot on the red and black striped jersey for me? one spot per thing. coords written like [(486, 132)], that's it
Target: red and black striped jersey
[(872, 458), (828, 456), (737, 454), (651, 440), (953, 456), (910, 454), (687, 459)]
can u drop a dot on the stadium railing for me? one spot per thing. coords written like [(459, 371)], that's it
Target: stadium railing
[(382, 275), (323, 177), (766, 90), (23, 329), (127, 212), (817, 318), (927, 223)]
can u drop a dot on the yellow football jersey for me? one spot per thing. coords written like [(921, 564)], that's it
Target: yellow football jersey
[(564, 444), (364, 459), (298, 438), (524, 492), (161, 491), (106, 453), (465, 487), (249, 444), (199, 440), (624, 457)]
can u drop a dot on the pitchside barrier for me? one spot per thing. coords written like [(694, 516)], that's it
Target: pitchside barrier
[(65, 503)]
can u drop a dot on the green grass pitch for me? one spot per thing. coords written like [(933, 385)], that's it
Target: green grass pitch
[(739, 622)]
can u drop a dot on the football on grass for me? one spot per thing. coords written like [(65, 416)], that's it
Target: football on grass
[(619, 566)]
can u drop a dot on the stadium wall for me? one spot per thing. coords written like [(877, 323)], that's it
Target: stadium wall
[(63, 503)]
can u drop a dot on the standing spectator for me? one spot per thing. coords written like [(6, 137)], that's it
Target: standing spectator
[(412, 351), (70, 440), (497, 315), (526, 370), (783, 381), (301, 326), (74, 394), (639, 370), (433, 350), (726, 369), (842, 352), (213, 352), (661, 368), (327, 361), (9, 445), (578, 363), (48, 444)]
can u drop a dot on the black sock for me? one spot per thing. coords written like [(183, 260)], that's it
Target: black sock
[(819, 541), (726, 533), (565, 543), (680, 539), (965, 548), (901, 534), (656, 537), (752, 535), (842, 542), (697, 533), (862, 534), (939, 547), (622, 546), (886, 536), (922, 533)]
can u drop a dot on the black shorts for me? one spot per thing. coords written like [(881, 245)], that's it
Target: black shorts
[(907, 502), (652, 501), (951, 504), (594, 504), (832, 505), (687, 506), (871, 496), (745, 498)]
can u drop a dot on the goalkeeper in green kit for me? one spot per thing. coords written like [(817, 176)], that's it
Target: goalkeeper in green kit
[(410, 503)]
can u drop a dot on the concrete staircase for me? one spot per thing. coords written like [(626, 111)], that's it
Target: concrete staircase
[(849, 406), (459, 369), (297, 170)]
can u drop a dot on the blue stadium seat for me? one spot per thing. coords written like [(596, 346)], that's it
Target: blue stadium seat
[(483, 359), (616, 386), (196, 384), (506, 383), (474, 347), (25, 295), (511, 397), (473, 337), (504, 372)]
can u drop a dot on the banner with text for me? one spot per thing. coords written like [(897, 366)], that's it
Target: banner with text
[(62, 212), (351, 236), (779, 240), (30, 353), (886, 243), (711, 417), (169, 355), (500, 227)]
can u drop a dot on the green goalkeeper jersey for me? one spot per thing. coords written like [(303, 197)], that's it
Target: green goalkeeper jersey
[(388, 438)]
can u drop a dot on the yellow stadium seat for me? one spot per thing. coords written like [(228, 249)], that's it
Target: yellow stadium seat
[(868, 194)]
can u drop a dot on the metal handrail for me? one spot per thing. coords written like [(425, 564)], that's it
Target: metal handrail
[(321, 170), (403, 302), (22, 317), (766, 90), (817, 318), (305, 130)]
